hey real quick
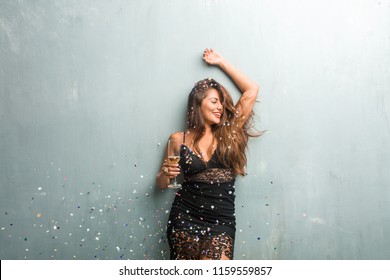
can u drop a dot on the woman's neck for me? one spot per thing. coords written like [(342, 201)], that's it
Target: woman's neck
[(207, 130)]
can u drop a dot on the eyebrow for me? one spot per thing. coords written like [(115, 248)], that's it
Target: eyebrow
[(214, 98)]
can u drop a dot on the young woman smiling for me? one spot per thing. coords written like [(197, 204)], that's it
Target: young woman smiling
[(212, 153)]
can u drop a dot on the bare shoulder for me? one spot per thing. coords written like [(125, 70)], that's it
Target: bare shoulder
[(178, 136)]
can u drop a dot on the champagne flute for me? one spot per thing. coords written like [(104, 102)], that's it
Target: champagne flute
[(173, 157)]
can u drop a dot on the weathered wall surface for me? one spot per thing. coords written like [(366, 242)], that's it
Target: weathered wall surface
[(91, 90)]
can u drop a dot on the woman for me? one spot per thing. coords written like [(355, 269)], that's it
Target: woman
[(202, 219)]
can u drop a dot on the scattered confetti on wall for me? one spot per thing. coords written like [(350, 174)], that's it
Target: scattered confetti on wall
[(91, 90)]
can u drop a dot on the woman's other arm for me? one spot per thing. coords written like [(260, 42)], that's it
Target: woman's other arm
[(163, 178), (248, 88)]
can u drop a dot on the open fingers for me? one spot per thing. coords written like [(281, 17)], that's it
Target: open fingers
[(211, 57)]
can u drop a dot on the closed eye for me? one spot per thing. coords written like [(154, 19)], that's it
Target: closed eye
[(214, 100)]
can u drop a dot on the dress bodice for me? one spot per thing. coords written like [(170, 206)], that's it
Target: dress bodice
[(196, 169)]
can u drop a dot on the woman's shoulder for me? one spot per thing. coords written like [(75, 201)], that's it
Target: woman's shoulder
[(182, 136), (177, 136)]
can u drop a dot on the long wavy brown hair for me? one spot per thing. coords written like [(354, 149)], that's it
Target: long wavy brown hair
[(232, 137)]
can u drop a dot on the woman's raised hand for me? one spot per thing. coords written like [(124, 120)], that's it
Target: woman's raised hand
[(211, 57)]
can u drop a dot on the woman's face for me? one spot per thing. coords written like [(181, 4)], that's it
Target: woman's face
[(211, 107)]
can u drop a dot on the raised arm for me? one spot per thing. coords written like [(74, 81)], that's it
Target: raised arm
[(248, 88)]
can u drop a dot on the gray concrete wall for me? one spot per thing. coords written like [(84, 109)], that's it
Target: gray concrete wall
[(90, 91)]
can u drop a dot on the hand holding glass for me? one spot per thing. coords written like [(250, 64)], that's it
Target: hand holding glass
[(174, 158)]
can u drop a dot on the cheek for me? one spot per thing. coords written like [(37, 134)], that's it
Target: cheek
[(203, 112), (205, 108)]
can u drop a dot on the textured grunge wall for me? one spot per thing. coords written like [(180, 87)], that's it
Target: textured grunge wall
[(91, 90)]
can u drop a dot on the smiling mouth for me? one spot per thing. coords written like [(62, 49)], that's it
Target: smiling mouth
[(218, 115)]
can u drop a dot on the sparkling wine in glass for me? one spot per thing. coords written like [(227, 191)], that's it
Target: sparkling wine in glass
[(173, 157)]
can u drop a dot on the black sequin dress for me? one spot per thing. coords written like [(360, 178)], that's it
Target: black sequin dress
[(202, 219)]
